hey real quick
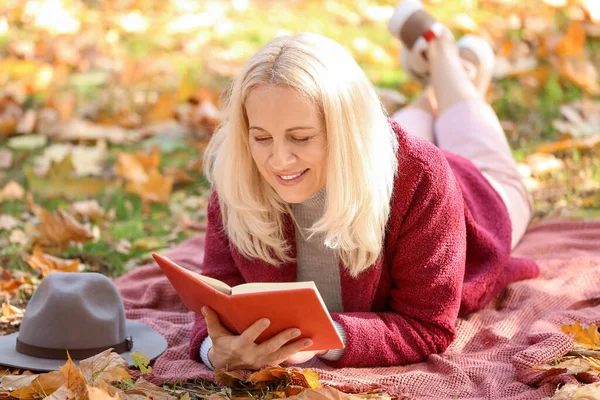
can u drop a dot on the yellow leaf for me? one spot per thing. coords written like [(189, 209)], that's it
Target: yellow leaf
[(130, 168), (99, 394), (48, 264), (587, 338), (163, 109), (157, 189), (228, 378), (573, 42)]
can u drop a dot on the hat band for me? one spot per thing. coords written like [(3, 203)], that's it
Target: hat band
[(77, 354)]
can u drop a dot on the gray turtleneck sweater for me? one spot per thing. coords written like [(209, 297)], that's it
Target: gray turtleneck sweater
[(315, 262)]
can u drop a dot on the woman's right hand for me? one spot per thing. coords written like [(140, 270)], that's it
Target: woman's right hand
[(232, 351)]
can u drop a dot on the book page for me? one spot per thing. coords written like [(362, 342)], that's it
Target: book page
[(212, 282), (271, 287)]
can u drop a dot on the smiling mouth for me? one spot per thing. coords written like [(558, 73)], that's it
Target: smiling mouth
[(290, 177)]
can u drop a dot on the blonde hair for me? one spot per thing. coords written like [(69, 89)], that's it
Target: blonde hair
[(361, 155)]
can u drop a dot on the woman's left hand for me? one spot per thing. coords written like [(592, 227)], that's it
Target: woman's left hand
[(303, 356)]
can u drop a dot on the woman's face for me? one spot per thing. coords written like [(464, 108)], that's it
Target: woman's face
[(287, 141)]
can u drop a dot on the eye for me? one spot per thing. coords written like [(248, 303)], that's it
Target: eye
[(261, 139), (306, 139)]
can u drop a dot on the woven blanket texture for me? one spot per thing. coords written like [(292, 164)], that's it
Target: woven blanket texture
[(495, 349)]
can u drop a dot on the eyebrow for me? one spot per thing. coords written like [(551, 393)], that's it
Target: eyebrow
[(296, 128)]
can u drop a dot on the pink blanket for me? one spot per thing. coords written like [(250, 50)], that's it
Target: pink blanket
[(495, 347)]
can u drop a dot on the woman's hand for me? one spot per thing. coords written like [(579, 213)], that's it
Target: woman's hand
[(240, 352), (303, 356)]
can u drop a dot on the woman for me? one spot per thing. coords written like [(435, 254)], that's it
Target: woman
[(311, 181)]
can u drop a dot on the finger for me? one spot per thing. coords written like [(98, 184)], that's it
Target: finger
[(289, 350), (254, 330), (273, 344), (213, 324)]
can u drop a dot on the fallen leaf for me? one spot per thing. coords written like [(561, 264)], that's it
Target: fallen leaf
[(61, 228), (572, 391), (543, 163), (27, 142), (62, 393), (74, 379), (6, 158), (99, 394), (10, 313), (12, 191), (581, 72), (87, 208), (129, 167), (573, 42), (41, 386), (59, 182), (48, 264), (228, 378), (163, 109), (157, 189), (572, 365), (14, 382), (107, 366), (141, 362), (8, 222), (584, 338), (26, 124), (79, 129), (149, 390)]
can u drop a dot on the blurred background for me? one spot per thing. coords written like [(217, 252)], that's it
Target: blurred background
[(107, 105)]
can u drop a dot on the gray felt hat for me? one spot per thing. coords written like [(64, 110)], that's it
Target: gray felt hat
[(81, 312)]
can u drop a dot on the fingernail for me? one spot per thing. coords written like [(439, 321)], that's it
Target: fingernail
[(295, 333), (203, 312), (265, 322), (308, 343)]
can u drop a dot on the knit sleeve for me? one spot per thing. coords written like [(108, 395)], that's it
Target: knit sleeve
[(218, 263), (427, 272)]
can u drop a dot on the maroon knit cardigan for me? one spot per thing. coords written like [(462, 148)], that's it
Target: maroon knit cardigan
[(446, 253)]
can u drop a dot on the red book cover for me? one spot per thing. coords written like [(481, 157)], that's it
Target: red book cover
[(286, 305)]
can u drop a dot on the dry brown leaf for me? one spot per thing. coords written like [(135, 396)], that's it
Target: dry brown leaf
[(6, 158), (584, 338), (581, 72), (149, 160), (63, 103), (157, 189), (107, 366), (268, 374), (8, 285), (43, 385), (87, 208), (147, 389), (62, 393), (61, 228), (14, 382), (179, 175), (228, 378), (571, 391), (12, 191), (8, 222), (572, 365), (74, 379), (10, 313), (324, 393), (48, 264)]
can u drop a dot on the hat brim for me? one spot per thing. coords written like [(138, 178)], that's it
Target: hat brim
[(145, 340)]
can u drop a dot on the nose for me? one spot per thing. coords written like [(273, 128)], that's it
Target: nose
[(282, 156)]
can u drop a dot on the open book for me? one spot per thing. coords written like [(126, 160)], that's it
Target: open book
[(286, 305)]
